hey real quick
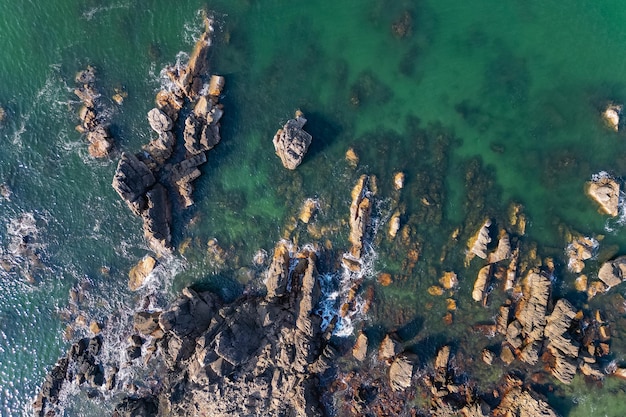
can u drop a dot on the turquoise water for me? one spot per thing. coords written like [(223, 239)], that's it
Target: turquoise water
[(513, 89)]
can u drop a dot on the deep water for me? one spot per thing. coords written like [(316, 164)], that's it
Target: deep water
[(480, 105)]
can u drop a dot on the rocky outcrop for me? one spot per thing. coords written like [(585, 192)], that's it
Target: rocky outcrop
[(604, 190), (477, 245), (516, 401), (612, 116), (80, 365), (291, 142), (360, 210), (143, 180), (531, 315), (578, 251), (612, 273), (400, 373), (480, 285), (258, 356), (503, 250), (560, 345), (92, 123)]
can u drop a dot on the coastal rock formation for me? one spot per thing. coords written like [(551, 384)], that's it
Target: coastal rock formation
[(291, 142), (578, 251), (79, 365), (516, 401), (91, 121), (257, 356), (605, 191), (560, 345), (480, 285), (612, 273), (477, 245), (360, 210), (143, 179), (503, 250)]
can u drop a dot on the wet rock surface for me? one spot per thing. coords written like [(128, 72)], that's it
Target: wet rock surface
[(604, 190)]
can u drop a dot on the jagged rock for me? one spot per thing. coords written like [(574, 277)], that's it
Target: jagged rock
[(532, 314), (159, 121), (256, 356), (138, 274), (360, 210), (184, 173), (560, 345), (612, 272), (578, 251), (398, 180), (480, 285), (137, 407), (400, 373), (511, 271), (388, 348), (157, 219), (132, 180), (359, 351), (169, 103), (394, 224), (518, 402), (503, 251), (605, 191), (146, 323), (278, 272), (612, 116), (487, 356), (442, 359), (79, 364), (477, 245), (216, 85), (449, 280), (291, 142), (308, 210)]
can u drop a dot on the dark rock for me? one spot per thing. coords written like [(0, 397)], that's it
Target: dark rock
[(157, 219), (132, 180), (146, 323), (137, 407), (291, 142)]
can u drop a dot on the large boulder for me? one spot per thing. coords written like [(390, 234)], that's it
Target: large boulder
[(604, 190), (291, 142), (612, 273), (157, 219), (159, 121)]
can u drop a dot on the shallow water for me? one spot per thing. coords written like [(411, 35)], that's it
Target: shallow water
[(512, 89)]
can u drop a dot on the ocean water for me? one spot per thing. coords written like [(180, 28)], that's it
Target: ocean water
[(480, 105)]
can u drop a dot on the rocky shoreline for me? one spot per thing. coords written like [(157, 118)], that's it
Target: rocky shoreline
[(274, 351)]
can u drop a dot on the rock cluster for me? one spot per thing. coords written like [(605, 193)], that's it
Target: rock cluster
[(79, 365), (291, 142), (604, 189), (256, 356), (143, 179), (91, 122)]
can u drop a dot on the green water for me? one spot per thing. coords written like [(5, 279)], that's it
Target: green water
[(514, 88)]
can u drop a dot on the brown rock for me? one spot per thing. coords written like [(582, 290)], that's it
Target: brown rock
[(359, 351), (477, 245), (216, 85), (581, 283), (140, 272), (384, 279), (308, 209), (449, 280), (480, 285), (400, 373), (605, 191), (291, 142), (388, 348), (352, 158), (612, 115)]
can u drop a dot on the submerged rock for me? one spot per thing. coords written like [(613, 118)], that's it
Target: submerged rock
[(291, 142), (605, 191)]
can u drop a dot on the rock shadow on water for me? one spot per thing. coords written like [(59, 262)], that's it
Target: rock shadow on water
[(324, 129)]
